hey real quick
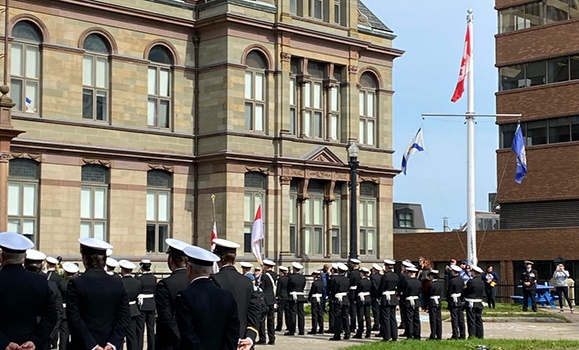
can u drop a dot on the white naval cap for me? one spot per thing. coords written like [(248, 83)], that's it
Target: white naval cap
[(335, 266), (283, 268), (365, 270), (411, 269), (35, 255), (112, 262), (407, 264), (91, 246), (223, 246), (455, 268), (316, 272), (145, 262), (200, 256), (247, 265), (297, 265), (109, 252), (12, 242), (433, 271), (70, 267), (51, 260), (268, 262), (125, 264), (176, 244), (390, 262), (377, 267), (477, 269), (355, 261), (342, 266)]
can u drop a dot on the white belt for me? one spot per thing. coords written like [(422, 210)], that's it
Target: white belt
[(472, 301), (411, 300), (353, 288), (132, 302), (340, 296), (295, 295), (64, 305), (318, 297), (436, 299), (455, 297), (144, 296), (388, 294), (363, 295)]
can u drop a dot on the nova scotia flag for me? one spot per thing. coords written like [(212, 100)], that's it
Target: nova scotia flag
[(518, 147), (416, 145)]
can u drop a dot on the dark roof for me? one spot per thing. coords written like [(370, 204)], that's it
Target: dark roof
[(373, 20)]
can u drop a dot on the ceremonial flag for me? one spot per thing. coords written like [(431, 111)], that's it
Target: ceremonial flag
[(257, 235), (416, 145), (213, 236), (28, 106), (518, 147), (464, 67)]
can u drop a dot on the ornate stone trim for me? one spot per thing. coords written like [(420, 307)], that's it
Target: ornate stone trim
[(105, 163), (5, 156), (370, 179), (167, 168), (32, 156), (285, 180), (353, 69), (257, 169), (284, 56)]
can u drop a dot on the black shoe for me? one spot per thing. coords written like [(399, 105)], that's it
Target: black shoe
[(329, 331), (401, 326), (312, 332), (271, 342), (378, 335), (333, 338), (375, 328), (368, 335), (278, 329), (346, 336), (261, 342), (321, 331), (289, 333), (301, 333), (357, 336)]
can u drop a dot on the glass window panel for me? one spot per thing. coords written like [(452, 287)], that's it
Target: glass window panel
[(336, 241), (87, 103), (370, 108), (308, 95), (101, 72), (573, 9), (292, 239), (536, 72), (87, 71), (100, 203), (28, 227), (371, 241), (292, 92), (335, 99), (559, 130), (249, 116), (318, 211), (99, 230), (165, 83), (31, 99), (292, 121), (247, 239), (574, 63), (163, 114), (16, 65), (317, 124), (248, 85), (361, 102), (152, 85), (16, 94), (363, 242), (317, 95), (318, 241), (575, 128), (293, 7), (362, 132), (513, 77), (371, 214), (29, 200), (14, 226), (534, 14), (308, 241), (14, 198), (509, 17), (259, 117), (507, 132), (152, 111), (335, 213), (557, 10), (32, 62), (308, 123), (163, 235), (86, 202), (247, 208), (334, 127), (293, 210), (308, 211), (370, 132), (536, 133), (85, 229), (101, 105), (259, 87), (256, 204), (362, 214), (164, 206), (558, 69), (318, 9), (337, 16), (151, 206), (151, 228)]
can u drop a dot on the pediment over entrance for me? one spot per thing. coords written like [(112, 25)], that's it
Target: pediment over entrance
[(323, 155)]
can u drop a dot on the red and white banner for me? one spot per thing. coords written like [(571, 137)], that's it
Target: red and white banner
[(257, 235), (464, 67)]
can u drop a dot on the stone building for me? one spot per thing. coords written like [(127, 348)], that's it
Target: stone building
[(136, 112)]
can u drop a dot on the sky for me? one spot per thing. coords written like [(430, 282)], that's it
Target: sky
[(432, 35)]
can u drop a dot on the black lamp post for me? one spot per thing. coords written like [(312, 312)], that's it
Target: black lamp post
[(353, 151)]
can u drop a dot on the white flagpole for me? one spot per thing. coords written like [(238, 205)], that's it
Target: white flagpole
[(470, 197)]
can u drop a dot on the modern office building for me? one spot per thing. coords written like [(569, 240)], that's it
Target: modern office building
[(144, 120)]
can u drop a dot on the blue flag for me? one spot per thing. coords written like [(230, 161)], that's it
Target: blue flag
[(518, 147), (416, 145)]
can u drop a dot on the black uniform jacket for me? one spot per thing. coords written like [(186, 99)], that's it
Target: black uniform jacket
[(27, 308), (339, 284), (148, 287), (282, 283), (133, 289), (167, 333), (52, 275), (364, 286), (354, 276), (475, 289), (376, 278), (296, 283), (388, 283), (316, 288), (529, 276), (248, 308), (455, 286), (435, 289), (97, 310), (207, 317), (413, 289), (268, 286)]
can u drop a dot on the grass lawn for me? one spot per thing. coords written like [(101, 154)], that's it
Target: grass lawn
[(494, 344)]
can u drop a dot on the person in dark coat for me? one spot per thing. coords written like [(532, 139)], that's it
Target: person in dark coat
[(412, 300), (282, 297), (529, 282), (269, 287), (473, 296), (133, 288), (315, 297), (167, 336), (206, 314), (455, 303), (363, 304), (146, 302), (354, 277), (376, 278), (339, 289), (228, 278), (388, 301), (111, 265), (51, 270), (434, 303), (97, 307), (26, 302), (401, 287), (297, 299), (70, 271)]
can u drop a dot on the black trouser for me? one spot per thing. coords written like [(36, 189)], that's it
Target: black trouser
[(491, 293), (353, 312), (331, 317), (564, 291), (317, 318), (474, 322), (296, 307), (341, 320), (148, 323), (376, 313), (435, 319), (63, 334), (403, 315), (363, 313), (269, 317), (132, 336), (529, 293), (388, 325), (281, 314), (412, 326), (457, 322)]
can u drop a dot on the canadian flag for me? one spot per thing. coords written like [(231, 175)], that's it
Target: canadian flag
[(257, 235), (464, 67)]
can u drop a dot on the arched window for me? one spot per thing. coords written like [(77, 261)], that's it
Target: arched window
[(254, 197), (160, 88), (368, 109), (25, 67), (23, 178), (94, 201), (158, 210), (367, 218), (255, 91), (95, 78)]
